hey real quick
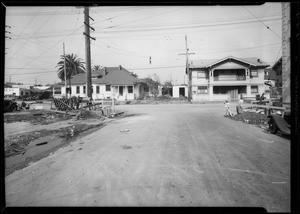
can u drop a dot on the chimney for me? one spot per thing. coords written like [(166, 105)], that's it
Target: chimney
[(258, 60), (104, 71), (120, 67)]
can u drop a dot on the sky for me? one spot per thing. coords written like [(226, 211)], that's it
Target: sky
[(130, 35)]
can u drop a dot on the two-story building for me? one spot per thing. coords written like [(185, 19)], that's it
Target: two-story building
[(230, 78), (107, 82)]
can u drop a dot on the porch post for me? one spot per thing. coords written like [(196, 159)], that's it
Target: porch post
[(248, 91), (210, 92)]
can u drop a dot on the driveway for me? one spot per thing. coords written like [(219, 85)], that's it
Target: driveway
[(162, 155)]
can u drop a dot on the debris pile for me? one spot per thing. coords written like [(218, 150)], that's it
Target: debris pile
[(251, 118), (36, 117), (86, 114)]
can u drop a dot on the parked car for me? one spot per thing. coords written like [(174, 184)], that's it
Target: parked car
[(10, 105)]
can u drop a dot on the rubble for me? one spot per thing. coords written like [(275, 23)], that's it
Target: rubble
[(251, 118)]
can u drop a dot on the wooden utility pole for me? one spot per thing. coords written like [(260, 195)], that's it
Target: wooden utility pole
[(65, 70), (189, 73), (87, 51), (87, 28)]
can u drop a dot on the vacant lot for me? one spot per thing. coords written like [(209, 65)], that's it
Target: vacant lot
[(162, 155)]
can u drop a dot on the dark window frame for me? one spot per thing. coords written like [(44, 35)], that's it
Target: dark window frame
[(254, 71), (201, 88), (254, 87), (97, 89), (107, 87), (77, 89), (84, 89), (130, 91)]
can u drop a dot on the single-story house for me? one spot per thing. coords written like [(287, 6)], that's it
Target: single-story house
[(230, 78), (107, 82)]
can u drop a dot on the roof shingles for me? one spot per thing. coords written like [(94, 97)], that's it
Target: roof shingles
[(114, 76)]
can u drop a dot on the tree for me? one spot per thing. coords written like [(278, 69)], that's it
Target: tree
[(74, 65), (97, 67), (133, 74), (153, 83), (167, 88)]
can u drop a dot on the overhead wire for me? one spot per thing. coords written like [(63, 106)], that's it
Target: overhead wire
[(49, 49), (42, 25), (262, 22), (14, 41)]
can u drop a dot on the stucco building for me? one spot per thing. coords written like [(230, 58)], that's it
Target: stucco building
[(230, 78)]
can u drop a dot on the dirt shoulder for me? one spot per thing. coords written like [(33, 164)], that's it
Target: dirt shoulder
[(34, 134)]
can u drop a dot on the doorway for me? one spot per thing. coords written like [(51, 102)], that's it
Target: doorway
[(121, 88), (182, 91)]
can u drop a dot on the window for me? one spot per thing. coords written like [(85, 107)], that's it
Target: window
[(107, 87), (77, 89), (254, 89), (21, 92), (202, 90), (97, 89), (254, 73), (201, 74), (92, 89), (130, 89), (84, 89)]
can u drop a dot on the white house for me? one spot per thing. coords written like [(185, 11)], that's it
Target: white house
[(230, 78), (14, 89), (108, 82)]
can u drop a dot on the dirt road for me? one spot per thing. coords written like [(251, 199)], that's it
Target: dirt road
[(162, 155)]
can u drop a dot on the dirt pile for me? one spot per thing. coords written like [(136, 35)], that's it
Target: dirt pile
[(251, 118)]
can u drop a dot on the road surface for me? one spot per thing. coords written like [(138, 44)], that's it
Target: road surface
[(162, 155)]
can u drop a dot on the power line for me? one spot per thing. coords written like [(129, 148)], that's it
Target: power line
[(49, 49), (145, 18), (113, 17), (32, 35), (262, 22), (149, 29), (26, 26)]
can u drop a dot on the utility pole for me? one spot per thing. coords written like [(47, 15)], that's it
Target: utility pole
[(65, 70), (88, 50), (189, 73)]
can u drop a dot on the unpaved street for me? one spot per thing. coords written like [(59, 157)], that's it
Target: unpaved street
[(162, 155)]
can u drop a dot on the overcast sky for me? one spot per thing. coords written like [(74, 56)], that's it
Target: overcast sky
[(129, 35)]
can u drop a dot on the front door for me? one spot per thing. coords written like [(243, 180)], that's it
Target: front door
[(121, 90), (233, 95)]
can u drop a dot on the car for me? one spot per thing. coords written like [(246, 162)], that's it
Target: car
[(10, 105), (280, 122)]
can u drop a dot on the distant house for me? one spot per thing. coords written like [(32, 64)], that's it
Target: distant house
[(107, 82), (16, 89), (230, 78), (277, 67)]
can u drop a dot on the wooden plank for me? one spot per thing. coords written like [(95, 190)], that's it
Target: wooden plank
[(263, 106)]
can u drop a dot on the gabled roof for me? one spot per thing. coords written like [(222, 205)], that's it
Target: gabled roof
[(206, 63), (7, 85), (278, 63), (114, 76)]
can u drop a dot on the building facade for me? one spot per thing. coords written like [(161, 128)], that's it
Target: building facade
[(230, 78), (107, 83)]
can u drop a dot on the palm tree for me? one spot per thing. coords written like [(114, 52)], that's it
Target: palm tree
[(96, 67), (74, 65)]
